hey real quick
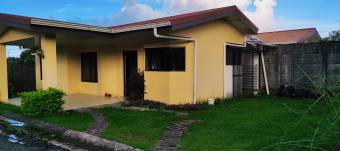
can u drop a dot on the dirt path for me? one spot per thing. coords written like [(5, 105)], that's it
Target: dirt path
[(173, 135)]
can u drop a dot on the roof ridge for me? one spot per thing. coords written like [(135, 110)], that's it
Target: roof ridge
[(178, 15), (278, 31)]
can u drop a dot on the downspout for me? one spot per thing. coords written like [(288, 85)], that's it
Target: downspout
[(157, 35), (264, 71)]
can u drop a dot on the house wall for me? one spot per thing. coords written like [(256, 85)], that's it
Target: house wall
[(175, 87), (166, 87), (211, 38), (110, 72)]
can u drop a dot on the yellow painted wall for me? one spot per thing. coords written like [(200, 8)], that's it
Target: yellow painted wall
[(62, 67), (211, 38), (110, 70), (49, 63), (3, 74), (175, 87)]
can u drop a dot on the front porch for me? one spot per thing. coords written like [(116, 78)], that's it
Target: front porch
[(79, 101)]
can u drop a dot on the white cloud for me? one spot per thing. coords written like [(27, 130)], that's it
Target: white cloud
[(134, 10), (63, 9)]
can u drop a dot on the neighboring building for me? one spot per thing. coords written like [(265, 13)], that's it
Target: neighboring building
[(308, 35), (186, 58)]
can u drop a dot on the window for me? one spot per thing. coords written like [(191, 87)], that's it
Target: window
[(234, 55), (165, 59), (89, 72)]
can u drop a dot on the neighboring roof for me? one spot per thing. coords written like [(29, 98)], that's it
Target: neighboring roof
[(289, 36), (175, 22)]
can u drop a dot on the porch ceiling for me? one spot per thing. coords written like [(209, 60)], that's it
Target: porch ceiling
[(76, 40), (12, 36)]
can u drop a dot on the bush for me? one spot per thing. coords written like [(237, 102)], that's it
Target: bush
[(136, 87), (42, 102)]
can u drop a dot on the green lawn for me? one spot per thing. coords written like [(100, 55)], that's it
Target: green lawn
[(71, 120), (136, 128), (260, 123), (263, 123)]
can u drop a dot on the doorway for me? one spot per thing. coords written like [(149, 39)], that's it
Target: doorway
[(130, 68), (241, 71)]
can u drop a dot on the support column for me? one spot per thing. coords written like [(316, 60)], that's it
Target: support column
[(3, 74), (38, 72), (49, 62)]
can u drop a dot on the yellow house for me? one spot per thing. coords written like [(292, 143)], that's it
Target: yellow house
[(184, 57)]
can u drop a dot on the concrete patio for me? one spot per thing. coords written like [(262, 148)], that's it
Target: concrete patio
[(79, 101)]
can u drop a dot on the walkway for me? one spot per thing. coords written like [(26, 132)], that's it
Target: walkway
[(99, 124), (77, 101), (173, 135)]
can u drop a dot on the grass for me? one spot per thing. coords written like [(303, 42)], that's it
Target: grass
[(262, 123), (9, 107), (259, 123), (136, 128), (70, 119)]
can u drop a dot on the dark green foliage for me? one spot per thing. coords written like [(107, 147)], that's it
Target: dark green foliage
[(26, 57), (42, 102), (13, 60), (136, 86), (158, 105), (333, 36), (12, 93)]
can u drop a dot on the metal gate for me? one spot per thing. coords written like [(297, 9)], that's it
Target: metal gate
[(245, 76)]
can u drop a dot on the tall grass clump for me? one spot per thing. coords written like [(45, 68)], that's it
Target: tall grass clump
[(320, 120)]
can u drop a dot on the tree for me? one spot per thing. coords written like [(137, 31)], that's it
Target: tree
[(333, 36), (26, 57)]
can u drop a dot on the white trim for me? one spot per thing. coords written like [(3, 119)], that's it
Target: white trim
[(141, 27), (60, 24), (69, 25), (265, 73), (156, 34)]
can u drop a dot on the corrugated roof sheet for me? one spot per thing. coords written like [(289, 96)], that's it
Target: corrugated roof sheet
[(288, 36)]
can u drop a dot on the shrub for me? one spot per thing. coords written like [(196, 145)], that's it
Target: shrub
[(42, 102), (136, 87)]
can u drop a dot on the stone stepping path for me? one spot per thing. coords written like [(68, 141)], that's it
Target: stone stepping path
[(99, 124), (173, 135)]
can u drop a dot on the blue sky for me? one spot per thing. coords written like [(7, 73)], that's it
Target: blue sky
[(268, 15)]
